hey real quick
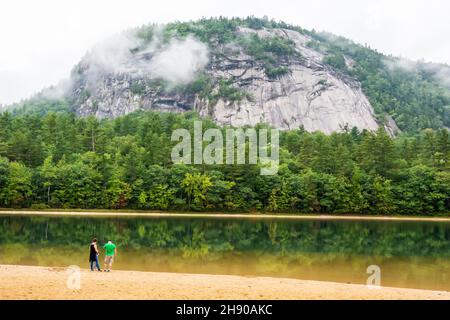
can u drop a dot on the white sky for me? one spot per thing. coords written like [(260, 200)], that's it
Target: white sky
[(41, 40)]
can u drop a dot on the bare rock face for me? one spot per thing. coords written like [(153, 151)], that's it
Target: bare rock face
[(113, 98), (312, 94), (301, 99)]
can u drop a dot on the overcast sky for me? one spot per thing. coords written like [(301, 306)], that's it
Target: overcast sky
[(41, 40)]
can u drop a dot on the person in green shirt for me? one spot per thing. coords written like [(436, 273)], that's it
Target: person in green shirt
[(110, 254)]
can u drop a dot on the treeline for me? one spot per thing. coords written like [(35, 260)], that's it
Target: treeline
[(62, 161)]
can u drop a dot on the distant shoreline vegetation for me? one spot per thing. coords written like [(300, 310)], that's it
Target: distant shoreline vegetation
[(58, 160)]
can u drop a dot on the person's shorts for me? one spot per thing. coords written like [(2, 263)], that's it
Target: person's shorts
[(109, 260)]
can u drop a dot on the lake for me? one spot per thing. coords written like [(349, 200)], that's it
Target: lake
[(411, 254)]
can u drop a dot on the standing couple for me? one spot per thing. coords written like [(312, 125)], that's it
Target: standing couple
[(110, 254)]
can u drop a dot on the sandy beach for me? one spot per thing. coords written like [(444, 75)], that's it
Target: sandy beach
[(24, 282)]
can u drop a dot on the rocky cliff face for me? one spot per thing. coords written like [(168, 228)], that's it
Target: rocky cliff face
[(235, 88)]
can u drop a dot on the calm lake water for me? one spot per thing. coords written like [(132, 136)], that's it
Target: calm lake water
[(410, 254)]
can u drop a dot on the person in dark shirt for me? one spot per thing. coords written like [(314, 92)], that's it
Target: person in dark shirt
[(93, 255)]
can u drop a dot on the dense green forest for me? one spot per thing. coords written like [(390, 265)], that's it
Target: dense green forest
[(58, 160)]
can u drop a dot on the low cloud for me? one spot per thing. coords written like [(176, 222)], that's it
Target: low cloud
[(177, 61), (441, 72), (58, 91), (438, 71), (111, 55), (180, 61), (401, 63)]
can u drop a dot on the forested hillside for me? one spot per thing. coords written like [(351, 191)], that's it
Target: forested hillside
[(63, 161), (414, 94)]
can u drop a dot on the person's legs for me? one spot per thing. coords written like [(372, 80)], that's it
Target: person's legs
[(92, 265), (97, 264), (107, 263)]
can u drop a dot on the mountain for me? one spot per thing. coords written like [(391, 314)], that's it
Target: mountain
[(247, 71)]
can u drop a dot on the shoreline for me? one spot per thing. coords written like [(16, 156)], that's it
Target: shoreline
[(36, 283), (144, 214)]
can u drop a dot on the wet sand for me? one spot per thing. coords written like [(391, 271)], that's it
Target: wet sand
[(23, 282)]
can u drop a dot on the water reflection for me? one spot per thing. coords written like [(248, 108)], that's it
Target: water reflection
[(410, 254)]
